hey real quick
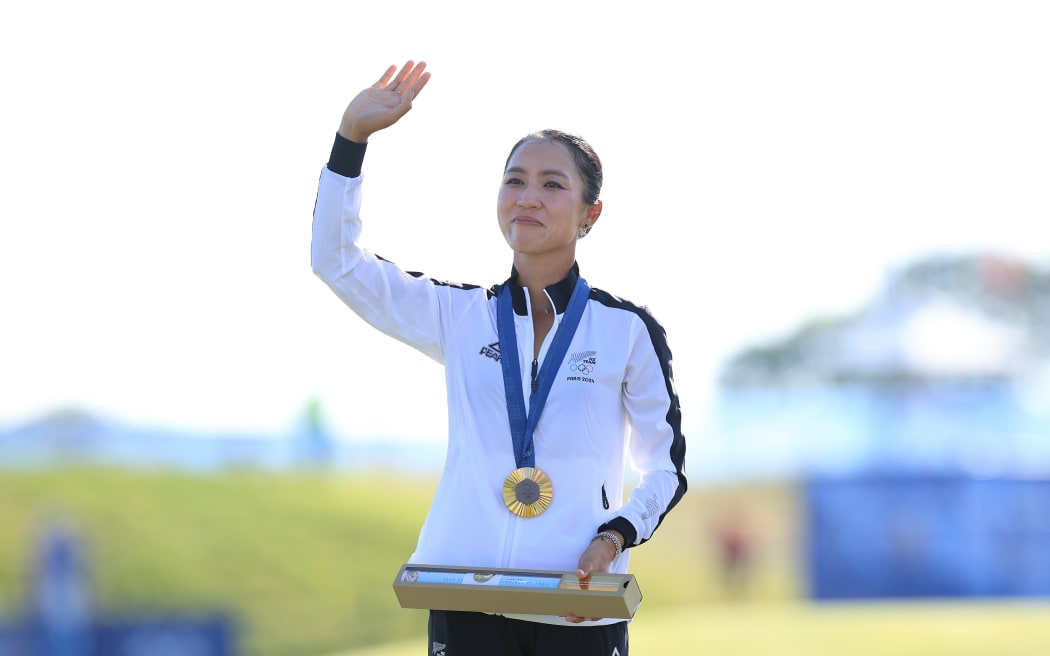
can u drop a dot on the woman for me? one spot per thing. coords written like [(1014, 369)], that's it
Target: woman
[(550, 383)]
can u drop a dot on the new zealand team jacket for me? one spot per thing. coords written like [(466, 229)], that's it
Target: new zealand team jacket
[(612, 403)]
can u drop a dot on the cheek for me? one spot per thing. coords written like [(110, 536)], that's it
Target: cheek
[(502, 216), (504, 205)]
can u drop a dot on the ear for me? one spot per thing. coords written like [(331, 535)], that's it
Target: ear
[(593, 212)]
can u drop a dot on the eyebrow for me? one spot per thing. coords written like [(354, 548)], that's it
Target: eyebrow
[(518, 169)]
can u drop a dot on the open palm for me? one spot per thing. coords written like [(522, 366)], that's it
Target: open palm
[(384, 103)]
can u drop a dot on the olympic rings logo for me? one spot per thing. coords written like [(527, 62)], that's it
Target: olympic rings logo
[(581, 368)]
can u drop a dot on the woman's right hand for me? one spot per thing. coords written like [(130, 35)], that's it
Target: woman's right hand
[(384, 103)]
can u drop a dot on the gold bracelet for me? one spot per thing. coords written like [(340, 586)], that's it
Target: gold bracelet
[(606, 536)]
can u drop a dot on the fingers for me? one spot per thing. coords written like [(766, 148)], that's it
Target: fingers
[(381, 84), (417, 86), (409, 81), (405, 72), (584, 575)]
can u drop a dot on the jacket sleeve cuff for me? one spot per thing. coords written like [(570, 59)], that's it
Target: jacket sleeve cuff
[(347, 157), (625, 528)]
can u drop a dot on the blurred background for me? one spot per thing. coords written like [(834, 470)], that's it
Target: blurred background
[(833, 208)]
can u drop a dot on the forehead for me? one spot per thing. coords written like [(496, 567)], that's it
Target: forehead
[(535, 156)]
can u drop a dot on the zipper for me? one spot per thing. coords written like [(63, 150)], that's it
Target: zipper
[(535, 374), (508, 545)]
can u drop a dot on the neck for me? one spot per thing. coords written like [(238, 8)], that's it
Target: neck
[(537, 272)]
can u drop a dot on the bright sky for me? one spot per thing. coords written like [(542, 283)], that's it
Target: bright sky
[(765, 162)]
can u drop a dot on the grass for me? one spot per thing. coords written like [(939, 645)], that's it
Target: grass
[(304, 563), (799, 629)]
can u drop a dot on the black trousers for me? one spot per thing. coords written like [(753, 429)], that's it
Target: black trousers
[(455, 633)]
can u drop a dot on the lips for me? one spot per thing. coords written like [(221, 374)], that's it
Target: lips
[(526, 220)]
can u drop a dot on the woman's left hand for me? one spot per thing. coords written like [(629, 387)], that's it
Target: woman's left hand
[(595, 559)]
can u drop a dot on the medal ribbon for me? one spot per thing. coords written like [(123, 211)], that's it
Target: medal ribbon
[(522, 426)]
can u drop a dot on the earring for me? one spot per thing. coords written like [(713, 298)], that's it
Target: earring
[(584, 229)]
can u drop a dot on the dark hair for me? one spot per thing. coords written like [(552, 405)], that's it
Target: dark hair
[(587, 163)]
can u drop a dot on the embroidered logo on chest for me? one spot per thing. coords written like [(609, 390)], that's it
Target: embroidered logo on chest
[(490, 351), (581, 366)]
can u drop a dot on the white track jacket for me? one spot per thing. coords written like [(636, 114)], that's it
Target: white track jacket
[(613, 402)]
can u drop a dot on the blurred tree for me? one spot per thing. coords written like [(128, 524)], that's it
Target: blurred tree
[(315, 444)]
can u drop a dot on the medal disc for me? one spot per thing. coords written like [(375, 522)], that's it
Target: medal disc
[(528, 492)]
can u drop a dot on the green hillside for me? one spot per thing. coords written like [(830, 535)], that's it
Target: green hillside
[(305, 561)]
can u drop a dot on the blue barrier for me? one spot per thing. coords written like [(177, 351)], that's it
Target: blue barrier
[(912, 536), (160, 636), (14, 640), (155, 635), (60, 619)]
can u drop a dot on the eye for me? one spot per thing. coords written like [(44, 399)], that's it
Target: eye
[(552, 184), (512, 181)]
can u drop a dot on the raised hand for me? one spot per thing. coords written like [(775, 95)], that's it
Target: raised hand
[(384, 103)]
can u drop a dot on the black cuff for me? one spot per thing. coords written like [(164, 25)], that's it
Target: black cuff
[(625, 528), (346, 157)]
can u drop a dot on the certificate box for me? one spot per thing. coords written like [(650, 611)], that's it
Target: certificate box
[(534, 592)]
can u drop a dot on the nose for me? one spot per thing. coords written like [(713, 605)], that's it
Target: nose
[(527, 197)]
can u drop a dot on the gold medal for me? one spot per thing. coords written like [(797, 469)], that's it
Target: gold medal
[(528, 492)]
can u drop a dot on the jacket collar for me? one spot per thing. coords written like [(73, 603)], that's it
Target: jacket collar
[(559, 292)]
